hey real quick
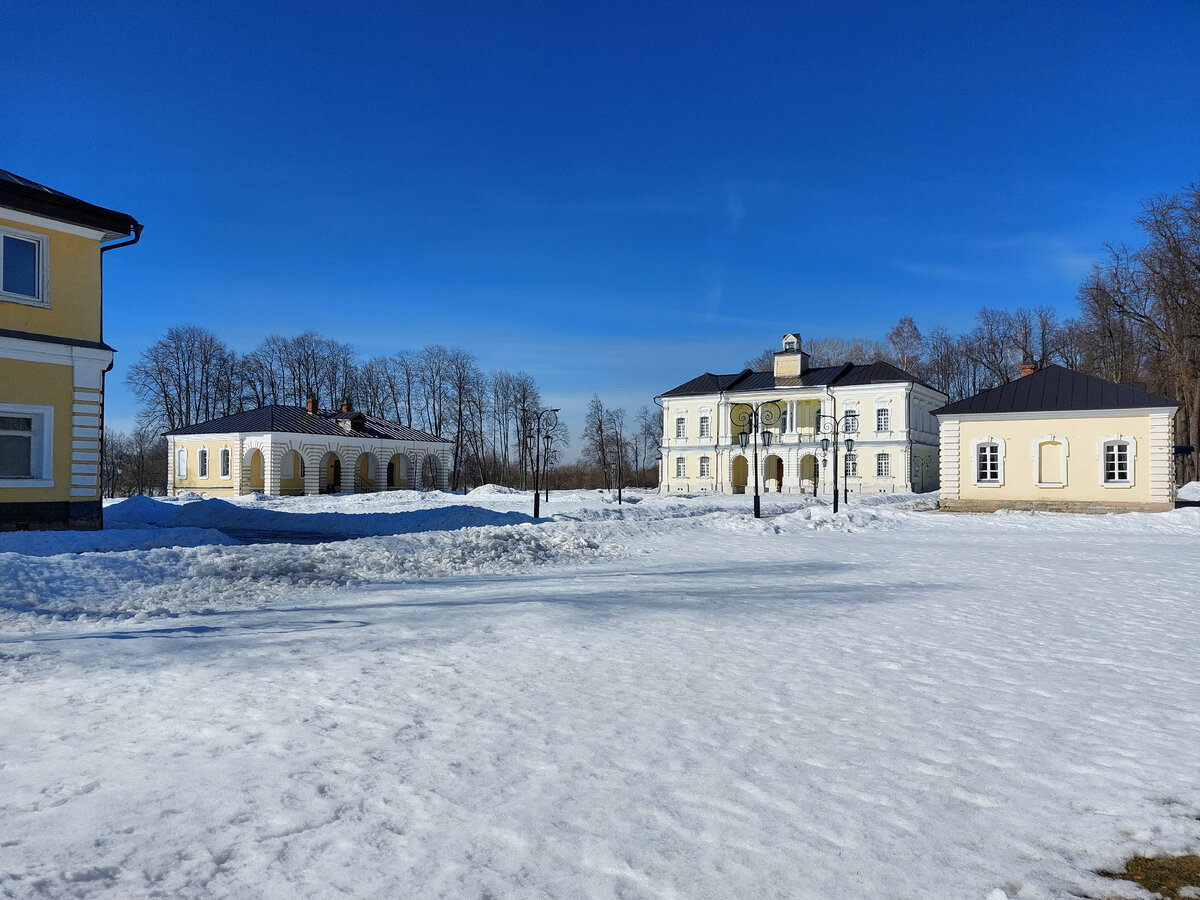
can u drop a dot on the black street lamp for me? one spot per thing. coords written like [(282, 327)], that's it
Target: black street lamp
[(833, 425), (539, 425), (750, 418)]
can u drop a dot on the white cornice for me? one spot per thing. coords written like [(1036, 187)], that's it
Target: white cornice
[(24, 218)]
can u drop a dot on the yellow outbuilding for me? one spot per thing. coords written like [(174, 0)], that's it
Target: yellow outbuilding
[(1056, 439)]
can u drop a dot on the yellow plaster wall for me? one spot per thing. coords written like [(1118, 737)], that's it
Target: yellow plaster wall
[(214, 483), (42, 384), (1084, 473), (74, 291)]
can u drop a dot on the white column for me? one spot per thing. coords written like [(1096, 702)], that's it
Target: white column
[(272, 463), (312, 473)]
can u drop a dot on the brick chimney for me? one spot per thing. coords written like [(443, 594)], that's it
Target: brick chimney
[(347, 406), (1028, 366), (311, 405)]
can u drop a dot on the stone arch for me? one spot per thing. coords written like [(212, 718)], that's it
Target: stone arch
[(740, 475), (397, 471), (366, 470), (772, 473), (253, 465), (330, 477), (810, 473)]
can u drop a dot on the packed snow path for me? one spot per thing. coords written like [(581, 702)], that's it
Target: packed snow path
[(667, 700)]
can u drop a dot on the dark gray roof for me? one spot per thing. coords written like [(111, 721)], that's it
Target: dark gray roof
[(1056, 389), (297, 420), (30, 197), (845, 374)]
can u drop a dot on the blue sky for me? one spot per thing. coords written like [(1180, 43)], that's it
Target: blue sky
[(612, 197)]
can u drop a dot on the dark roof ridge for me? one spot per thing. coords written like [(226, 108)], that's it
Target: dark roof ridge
[(1055, 388)]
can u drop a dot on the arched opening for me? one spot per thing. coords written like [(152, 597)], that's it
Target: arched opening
[(397, 472), (741, 474), (364, 473), (772, 474), (429, 473), (329, 480), (809, 474), (291, 474), (254, 469)]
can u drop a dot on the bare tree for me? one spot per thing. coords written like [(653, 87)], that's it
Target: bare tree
[(186, 377)]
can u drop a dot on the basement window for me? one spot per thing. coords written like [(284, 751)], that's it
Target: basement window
[(26, 435)]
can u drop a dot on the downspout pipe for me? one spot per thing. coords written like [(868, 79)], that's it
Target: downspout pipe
[(129, 242)]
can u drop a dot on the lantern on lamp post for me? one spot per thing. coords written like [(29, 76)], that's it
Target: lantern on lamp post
[(753, 421)]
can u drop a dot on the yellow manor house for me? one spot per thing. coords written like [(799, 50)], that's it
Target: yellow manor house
[(53, 358)]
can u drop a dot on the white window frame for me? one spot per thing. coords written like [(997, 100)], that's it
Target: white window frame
[(225, 458), (883, 465), (43, 267), (680, 467), (1037, 460), (202, 463), (851, 465), (706, 426), (1131, 448), (680, 428), (705, 467), (181, 463), (883, 420), (42, 445), (850, 422), (1000, 455)]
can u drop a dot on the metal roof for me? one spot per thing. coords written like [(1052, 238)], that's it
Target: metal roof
[(843, 375), (30, 197), (298, 420), (1055, 389)]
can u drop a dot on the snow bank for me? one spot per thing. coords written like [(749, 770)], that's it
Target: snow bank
[(251, 517), (52, 543)]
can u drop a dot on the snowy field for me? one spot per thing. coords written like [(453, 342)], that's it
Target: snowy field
[(662, 699)]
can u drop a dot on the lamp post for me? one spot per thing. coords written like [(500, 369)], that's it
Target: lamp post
[(538, 427), (547, 441), (750, 418), (833, 425)]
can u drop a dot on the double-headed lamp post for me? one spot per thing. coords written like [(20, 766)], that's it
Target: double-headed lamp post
[(539, 427), (750, 418), (832, 425)]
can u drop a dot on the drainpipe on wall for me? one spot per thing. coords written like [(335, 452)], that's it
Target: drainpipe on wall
[(137, 236)]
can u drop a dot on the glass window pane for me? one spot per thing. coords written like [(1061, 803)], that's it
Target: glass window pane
[(16, 456), (20, 266), (16, 423)]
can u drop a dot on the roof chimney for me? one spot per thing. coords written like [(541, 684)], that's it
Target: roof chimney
[(311, 405), (1028, 366), (347, 406)]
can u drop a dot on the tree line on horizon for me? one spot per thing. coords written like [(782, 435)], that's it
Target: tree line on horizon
[(1139, 321)]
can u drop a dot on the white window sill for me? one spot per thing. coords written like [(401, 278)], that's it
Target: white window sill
[(26, 482), (989, 484), (1051, 484), (24, 300), (1119, 485)]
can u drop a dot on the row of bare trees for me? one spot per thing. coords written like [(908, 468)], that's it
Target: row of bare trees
[(189, 375), (612, 447)]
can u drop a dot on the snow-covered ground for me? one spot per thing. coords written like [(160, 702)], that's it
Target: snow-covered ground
[(666, 698)]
